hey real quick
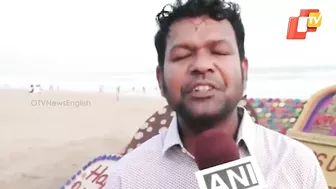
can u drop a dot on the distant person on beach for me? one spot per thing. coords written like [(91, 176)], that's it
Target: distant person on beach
[(35, 89), (101, 88), (202, 73), (39, 89), (144, 90), (31, 89), (118, 92)]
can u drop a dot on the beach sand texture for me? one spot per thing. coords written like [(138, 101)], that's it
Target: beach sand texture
[(41, 146)]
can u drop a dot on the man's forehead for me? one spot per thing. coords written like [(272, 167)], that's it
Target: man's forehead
[(200, 28), (195, 23), (198, 20)]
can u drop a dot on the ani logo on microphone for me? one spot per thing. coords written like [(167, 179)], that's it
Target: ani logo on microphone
[(308, 21), (240, 174)]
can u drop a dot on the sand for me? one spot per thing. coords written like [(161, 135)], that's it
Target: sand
[(41, 146)]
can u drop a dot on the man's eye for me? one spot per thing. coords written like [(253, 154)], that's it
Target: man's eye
[(220, 53), (177, 58)]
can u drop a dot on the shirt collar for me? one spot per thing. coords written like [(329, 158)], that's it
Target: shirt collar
[(172, 136), (246, 133)]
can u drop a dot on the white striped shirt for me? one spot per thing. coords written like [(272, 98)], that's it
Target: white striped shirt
[(162, 163)]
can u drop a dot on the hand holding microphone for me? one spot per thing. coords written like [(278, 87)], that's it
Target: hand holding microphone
[(217, 157)]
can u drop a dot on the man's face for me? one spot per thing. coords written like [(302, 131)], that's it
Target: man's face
[(203, 77)]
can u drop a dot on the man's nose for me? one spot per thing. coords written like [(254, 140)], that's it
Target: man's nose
[(202, 65)]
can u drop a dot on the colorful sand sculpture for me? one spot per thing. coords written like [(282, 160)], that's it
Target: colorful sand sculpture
[(312, 122), (316, 128), (277, 114)]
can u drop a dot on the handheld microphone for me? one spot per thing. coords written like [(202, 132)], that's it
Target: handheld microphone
[(217, 157)]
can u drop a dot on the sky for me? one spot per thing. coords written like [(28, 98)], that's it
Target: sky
[(79, 36)]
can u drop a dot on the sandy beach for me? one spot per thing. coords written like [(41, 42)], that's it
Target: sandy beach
[(42, 145)]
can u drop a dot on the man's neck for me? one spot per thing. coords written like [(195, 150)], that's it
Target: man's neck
[(229, 125)]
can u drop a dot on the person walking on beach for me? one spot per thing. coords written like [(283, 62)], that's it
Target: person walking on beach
[(39, 89), (31, 89), (118, 92), (101, 88), (202, 73)]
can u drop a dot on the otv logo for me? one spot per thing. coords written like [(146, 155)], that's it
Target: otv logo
[(308, 21)]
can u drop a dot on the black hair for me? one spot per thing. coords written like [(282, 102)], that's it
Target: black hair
[(215, 9)]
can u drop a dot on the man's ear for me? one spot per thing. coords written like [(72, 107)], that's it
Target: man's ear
[(159, 78), (244, 66)]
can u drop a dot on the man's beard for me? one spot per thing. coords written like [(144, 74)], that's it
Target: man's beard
[(198, 123)]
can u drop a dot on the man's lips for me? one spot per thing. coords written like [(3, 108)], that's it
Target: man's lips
[(202, 94), (201, 86), (202, 89)]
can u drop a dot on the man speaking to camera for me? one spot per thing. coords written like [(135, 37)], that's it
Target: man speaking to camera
[(202, 73)]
